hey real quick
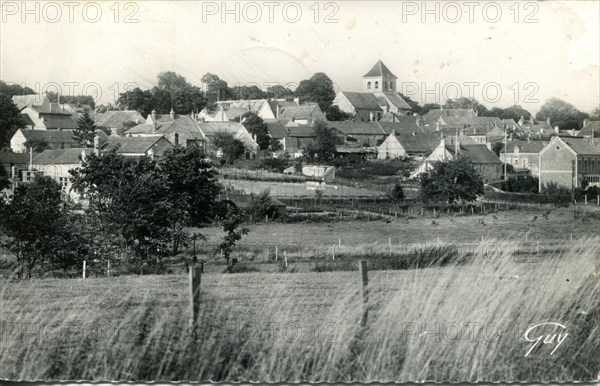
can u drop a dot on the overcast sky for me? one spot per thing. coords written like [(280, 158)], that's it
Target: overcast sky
[(489, 46)]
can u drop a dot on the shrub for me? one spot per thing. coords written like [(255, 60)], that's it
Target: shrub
[(240, 268), (275, 164), (396, 194), (262, 205)]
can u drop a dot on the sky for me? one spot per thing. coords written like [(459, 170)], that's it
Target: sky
[(501, 53)]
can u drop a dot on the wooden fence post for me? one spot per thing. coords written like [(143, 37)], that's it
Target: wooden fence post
[(390, 245), (84, 261), (108, 269), (362, 267), (333, 251), (285, 258), (194, 277), (276, 252)]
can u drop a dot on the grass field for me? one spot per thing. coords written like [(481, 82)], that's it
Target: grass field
[(454, 323)]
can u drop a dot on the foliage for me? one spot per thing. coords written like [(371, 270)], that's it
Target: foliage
[(131, 203), (231, 219), (467, 103), (86, 131), (122, 131), (561, 114), (38, 227), (497, 148), (262, 205), (414, 105), (319, 89), (429, 106), (216, 89), (10, 120), (521, 184), (450, 181), (396, 194), (277, 164), (14, 89), (255, 125), (554, 189), (334, 113), (323, 148), (4, 179), (278, 91), (38, 145), (231, 147), (514, 112)]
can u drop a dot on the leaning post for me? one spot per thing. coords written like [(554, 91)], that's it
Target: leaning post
[(194, 285), (362, 267)]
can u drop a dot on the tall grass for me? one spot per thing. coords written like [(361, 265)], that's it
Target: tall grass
[(249, 324)]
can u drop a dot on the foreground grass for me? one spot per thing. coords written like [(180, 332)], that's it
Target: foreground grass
[(456, 323)]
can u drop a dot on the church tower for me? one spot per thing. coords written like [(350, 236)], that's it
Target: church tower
[(379, 79)]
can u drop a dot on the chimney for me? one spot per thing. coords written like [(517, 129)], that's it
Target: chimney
[(153, 115), (441, 107), (555, 128), (172, 114), (393, 117), (277, 110), (532, 120), (222, 113), (96, 145), (548, 121), (30, 158)]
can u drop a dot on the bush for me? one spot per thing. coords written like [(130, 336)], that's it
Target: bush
[(396, 194), (240, 268), (521, 184), (277, 165), (262, 205)]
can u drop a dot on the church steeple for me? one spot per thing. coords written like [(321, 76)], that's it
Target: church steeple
[(379, 79)]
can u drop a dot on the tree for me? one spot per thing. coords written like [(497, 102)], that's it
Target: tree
[(136, 99), (255, 125), (4, 180), (216, 89), (122, 131), (10, 120), (34, 222), (595, 116), (561, 114), (278, 91), (232, 219), (414, 105), (130, 203), (14, 89), (514, 112), (335, 114), (85, 131), (231, 147), (451, 180), (171, 81), (190, 177), (396, 194), (497, 148), (323, 148), (319, 89), (467, 103), (429, 106)]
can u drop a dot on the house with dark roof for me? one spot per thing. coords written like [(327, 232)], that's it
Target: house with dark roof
[(14, 163), (523, 155), (115, 120), (402, 145), (485, 161), (55, 139), (432, 117), (239, 131), (179, 130), (44, 114), (591, 131), (153, 147), (57, 163), (379, 96), (569, 162), (363, 133)]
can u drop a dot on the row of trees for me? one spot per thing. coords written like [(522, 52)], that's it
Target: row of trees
[(139, 210)]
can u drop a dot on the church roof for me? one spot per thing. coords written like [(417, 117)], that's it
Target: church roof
[(379, 69)]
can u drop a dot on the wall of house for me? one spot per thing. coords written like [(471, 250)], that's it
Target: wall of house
[(490, 172), (556, 165), (520, 161), (60, 173), (391, 148), (343, 103)]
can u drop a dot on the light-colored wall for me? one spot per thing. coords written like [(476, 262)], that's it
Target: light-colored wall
[(391, 148), (556, 165)]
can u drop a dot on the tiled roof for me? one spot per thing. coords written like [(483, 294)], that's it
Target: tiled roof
[(181, 124), (62, 156), (432, 116), (10, 158), (362, 100), (212, 128), (379, 69), (50, 136), (581, 146), (116, 119), (357, 128), (589, 129), (355, 149), (57, 121), (27, 120), (418, 142), (478, 154), (402, 123), (132, 145), (276, 129), (301, 131), (396, 100), (304, 111), (525, 146)]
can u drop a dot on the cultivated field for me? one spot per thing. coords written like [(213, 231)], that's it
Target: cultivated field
[(453, 323)]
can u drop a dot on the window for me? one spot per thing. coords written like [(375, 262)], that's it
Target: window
[(557, 147), (63, 181), (376, 85), (176, 139), (369, 85)]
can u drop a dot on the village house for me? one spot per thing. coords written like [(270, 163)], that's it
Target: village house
[(523, 155), (56, 164), (484, 161), (401, 145), (533, 129), (432, 117), (379, 96), (153, 147), (569, 162), (54, 139), (236, 129), (179, 130), (115, 120), (14, 163), (362, 133), (591, 131), (44, 114)]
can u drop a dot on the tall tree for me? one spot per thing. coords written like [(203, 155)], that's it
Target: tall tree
[(231, 147), (10, 120), (86, 131), (322, 149), (216, 89), (171, 81), (467, 103), (450, 181), (278, 91), (561, 114), (414, 105), (255, 125), (138, 100), (335, 114), (14, 89), (319, 89)]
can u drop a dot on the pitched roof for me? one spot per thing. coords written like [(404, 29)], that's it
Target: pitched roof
[(116, 119), (380, 69), (590, 129), (362, 100), (165, 125), (395, 99), (525, 146), (355, 149), (132, 145), (28, 120), (432, 116), (418, 142), (303, 111), (402, 123), (50, 136), (57, 121), (22, 101), (357, 128), (581, 146), (62, 156), (212, 128), (478, 154), (301, 131), (8, 158), (276, 129)]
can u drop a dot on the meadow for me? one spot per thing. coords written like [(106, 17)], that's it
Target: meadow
[(478, 321)]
